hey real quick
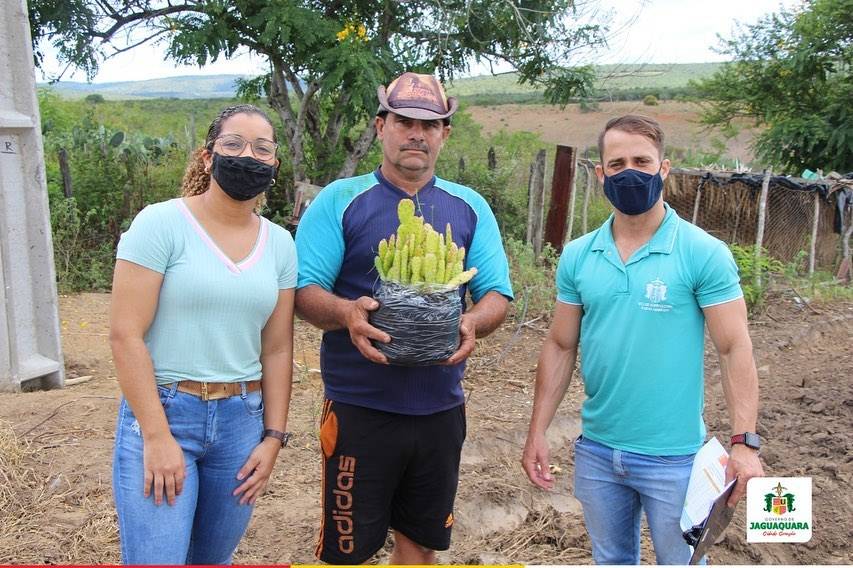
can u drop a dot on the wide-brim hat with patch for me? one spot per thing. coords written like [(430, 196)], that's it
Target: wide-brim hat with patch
[(416, 96)]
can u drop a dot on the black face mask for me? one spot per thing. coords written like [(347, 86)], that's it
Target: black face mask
[(242, 177)]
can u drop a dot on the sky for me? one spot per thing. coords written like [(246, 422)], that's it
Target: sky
[(642, 31)]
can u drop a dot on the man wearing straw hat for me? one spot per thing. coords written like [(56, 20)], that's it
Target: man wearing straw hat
[(635, 296), (391, 435)]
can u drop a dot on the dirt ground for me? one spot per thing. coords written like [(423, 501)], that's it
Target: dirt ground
[(572, 127), (55, 450)]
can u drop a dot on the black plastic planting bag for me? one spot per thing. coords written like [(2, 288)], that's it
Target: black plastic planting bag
[(423, 325)]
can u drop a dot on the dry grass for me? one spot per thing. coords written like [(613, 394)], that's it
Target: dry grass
[(18, 492), (55, 520), (545, 537)]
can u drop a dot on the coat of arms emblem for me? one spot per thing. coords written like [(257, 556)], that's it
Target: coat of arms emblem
[(779, 504), (656, 291)]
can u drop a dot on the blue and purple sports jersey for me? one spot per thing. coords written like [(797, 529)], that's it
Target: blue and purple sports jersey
[(336, 243)]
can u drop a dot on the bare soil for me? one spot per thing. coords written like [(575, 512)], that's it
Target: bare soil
[(573, 127), (55, 450)]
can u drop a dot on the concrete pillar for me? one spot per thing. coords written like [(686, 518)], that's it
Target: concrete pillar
[(30, 352)]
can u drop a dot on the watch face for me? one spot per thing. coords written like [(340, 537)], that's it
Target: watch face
[(752, 440)]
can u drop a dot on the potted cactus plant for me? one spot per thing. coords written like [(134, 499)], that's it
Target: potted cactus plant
[(420, 271)]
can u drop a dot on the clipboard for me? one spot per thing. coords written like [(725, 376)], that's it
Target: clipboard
[(703, 536)]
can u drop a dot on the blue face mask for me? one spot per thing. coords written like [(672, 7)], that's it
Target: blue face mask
[(633, 192)]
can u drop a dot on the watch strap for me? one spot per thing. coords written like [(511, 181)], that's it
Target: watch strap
[(282, 437), (748, 439)]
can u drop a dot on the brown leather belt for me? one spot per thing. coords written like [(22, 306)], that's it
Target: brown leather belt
[(216, 391)]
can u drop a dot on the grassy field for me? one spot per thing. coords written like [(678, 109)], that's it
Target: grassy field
[(614, 82), (610, 77)]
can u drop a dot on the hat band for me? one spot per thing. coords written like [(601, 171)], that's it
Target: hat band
[(417, 103)]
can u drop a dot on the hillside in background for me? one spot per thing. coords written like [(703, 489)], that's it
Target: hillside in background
[(610, 78), (185, 87), (617, 82)]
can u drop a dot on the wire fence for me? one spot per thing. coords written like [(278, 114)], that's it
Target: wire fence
[(804, 221)]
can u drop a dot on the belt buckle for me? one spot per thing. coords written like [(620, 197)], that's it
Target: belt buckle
[(204, 393)]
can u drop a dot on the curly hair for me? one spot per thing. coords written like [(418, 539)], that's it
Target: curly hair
[(196, 179)]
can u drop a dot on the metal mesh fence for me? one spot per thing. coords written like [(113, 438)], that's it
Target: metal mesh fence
[(729, 211), (728, 208)]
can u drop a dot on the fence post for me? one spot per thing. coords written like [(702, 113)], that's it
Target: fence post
[(814, 233), (845, 271), (698, 199), (65, 172), (762, 218), (536, 202), (586, 194), (191, 133), (562, 187), (492, 159), (572, 200), (461, 165)]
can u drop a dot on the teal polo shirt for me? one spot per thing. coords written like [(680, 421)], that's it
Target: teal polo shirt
[(642, 332)]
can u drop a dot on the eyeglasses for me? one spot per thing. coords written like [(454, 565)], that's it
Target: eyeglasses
[(234, 144)]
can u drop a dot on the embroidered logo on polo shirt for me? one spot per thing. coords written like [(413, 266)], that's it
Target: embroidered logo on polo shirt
[(656, 294)]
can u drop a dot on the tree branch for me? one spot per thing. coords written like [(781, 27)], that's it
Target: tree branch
[(294, 82), (122, 21), (117, 50), (336, 120), (358, 152), (279, 97)]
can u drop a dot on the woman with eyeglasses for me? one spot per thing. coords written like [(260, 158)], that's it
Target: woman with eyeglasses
[(201, 329)]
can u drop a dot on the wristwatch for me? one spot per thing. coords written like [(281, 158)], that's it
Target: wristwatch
[(283, 437), (748, 439)]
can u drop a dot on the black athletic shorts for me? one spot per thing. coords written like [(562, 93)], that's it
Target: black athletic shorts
[(382, 470)]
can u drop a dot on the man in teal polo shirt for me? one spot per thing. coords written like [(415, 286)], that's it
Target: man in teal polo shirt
[(635, 295)]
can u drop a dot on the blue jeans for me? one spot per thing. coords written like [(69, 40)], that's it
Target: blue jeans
[(615, 486), (206, 523)]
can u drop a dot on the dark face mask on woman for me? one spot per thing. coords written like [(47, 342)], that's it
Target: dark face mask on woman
[(242, 177), (633, 192)]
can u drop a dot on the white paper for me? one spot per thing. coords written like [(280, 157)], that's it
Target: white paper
[(707, 482)]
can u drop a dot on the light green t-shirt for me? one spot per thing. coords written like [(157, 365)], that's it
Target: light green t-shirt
[(642, 332), (211, 310)]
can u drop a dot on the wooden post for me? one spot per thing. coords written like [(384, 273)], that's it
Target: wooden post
[(585, 213), (191, 133), (461, 165), (562, 186), (698, 199), (492, 159), (845, 270), (572, 200), (65, 172), (529, 235), (815, 221), (762, 219), (536, 203)]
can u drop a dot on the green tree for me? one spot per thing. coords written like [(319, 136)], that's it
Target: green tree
[(791, 73), (326, 58)]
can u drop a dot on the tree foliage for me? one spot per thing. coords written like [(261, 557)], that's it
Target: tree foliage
[(327, 58), (792, 74)]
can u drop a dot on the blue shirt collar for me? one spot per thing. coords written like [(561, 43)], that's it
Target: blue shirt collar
[(663, 241), (384, 181)]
